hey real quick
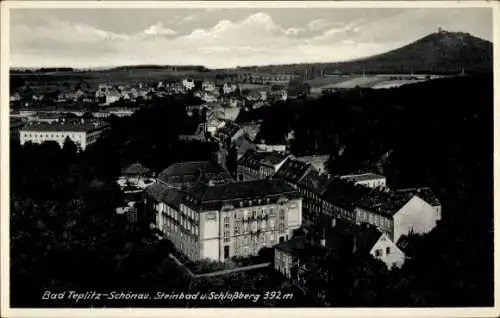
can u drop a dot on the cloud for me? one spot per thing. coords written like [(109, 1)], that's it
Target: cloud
[(252, 39), (319, 25), (159, 29)]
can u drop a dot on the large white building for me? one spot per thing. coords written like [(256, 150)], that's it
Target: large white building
[(83, 132), (400, 212), (220, 221)]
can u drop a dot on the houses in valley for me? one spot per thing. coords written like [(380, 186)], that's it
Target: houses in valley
[(188, 84)]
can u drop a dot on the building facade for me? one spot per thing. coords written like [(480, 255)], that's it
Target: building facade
[(397, 214), (82, 132), (218, 222)]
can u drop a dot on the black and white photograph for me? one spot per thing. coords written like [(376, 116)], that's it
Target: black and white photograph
[(217, 155)]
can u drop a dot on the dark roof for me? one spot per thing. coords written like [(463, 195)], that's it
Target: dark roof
[(203, 196), (425, 194), (344, 194), (293, 170), (386, 203), (161, 193), (156, 191), (136, 168), (316, 182), (67, 125), (191, 172), (297, 245), (254, 159), (362, 177)]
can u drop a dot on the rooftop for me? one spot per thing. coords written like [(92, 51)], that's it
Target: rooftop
[(293, 170), (316, 182), (191, 172), (161, 193), (67, 125), (424, 193), (255, 159), (383, 202), (344, 194), (203, 196), (363, 177)]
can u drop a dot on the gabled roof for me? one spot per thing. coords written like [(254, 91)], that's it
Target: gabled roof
[(255, 159), (190, 172), (318, 161), (161, 193), (424, 193), (205, 197), (316, 182), (293, 170), (386, 203)]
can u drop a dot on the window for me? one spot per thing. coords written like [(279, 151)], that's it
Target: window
[(387, 250), (226, 229), (226, 252), (378, 253)]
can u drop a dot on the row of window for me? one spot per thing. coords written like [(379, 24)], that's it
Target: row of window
[(373, 218), (185, 243), (52, 135), (173, 225), (184, 212)]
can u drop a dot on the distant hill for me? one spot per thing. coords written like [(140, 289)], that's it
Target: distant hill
[(441, 52)]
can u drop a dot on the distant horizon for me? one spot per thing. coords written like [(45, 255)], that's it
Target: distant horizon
[(83, 68), (225, 38)]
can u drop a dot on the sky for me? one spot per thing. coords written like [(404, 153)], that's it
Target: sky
[(220, 38)]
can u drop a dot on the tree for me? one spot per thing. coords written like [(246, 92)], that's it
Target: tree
[(69, 149)]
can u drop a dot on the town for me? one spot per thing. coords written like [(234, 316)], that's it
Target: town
[(324, 186)]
